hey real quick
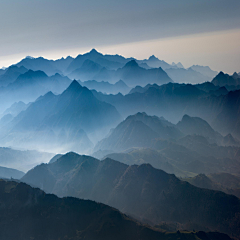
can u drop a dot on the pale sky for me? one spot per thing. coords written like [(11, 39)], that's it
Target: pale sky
[(204, 32)]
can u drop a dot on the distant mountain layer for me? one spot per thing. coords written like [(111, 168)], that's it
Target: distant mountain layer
[(195, 125), (50, 67), (138, 131), (30, 85), (188, 156), (106, 87), (224, 79), (22, 160), (141, 191), (181, 75), (174, 100), (10, 173), (16, 108), (90, 66), (131, 73), (225, 182), (138, 156), (141, 130), (11, 74), (61, 121), (204, 70)]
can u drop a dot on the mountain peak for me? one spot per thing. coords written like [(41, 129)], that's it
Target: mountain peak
[(121, 83), (131, 63), (94, 51), (153, 58), (29, 57), (221, 74), (74, 85), (31, 73), (186, 117), (235, 76)]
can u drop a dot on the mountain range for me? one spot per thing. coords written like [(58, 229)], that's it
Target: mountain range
[(131, 73), (164, 142), (138, 131), (146, 193), (30, 85), (106, 87), (224, 182), (36, 215), (61, 121), (22, 160)]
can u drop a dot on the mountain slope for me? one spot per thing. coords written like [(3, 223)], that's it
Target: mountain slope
[(134, 75), (194, 125), (30, 85), (224, 79), (141, 191), (138, 131), (11, 74), (228, 119)]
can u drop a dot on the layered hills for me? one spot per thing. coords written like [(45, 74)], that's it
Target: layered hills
[(36, 215), (141, 191), (64, 120)]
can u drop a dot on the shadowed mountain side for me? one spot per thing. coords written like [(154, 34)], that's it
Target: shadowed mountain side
[(228, 119), (36, 215), (63, 121), (141, 191)]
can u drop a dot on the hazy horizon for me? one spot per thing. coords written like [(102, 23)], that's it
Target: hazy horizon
[(203, 33)]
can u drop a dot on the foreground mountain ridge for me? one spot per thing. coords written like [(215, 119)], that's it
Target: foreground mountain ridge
[(141, 191)]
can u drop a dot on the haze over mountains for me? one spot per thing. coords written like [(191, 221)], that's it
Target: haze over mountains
[(161, 144)]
